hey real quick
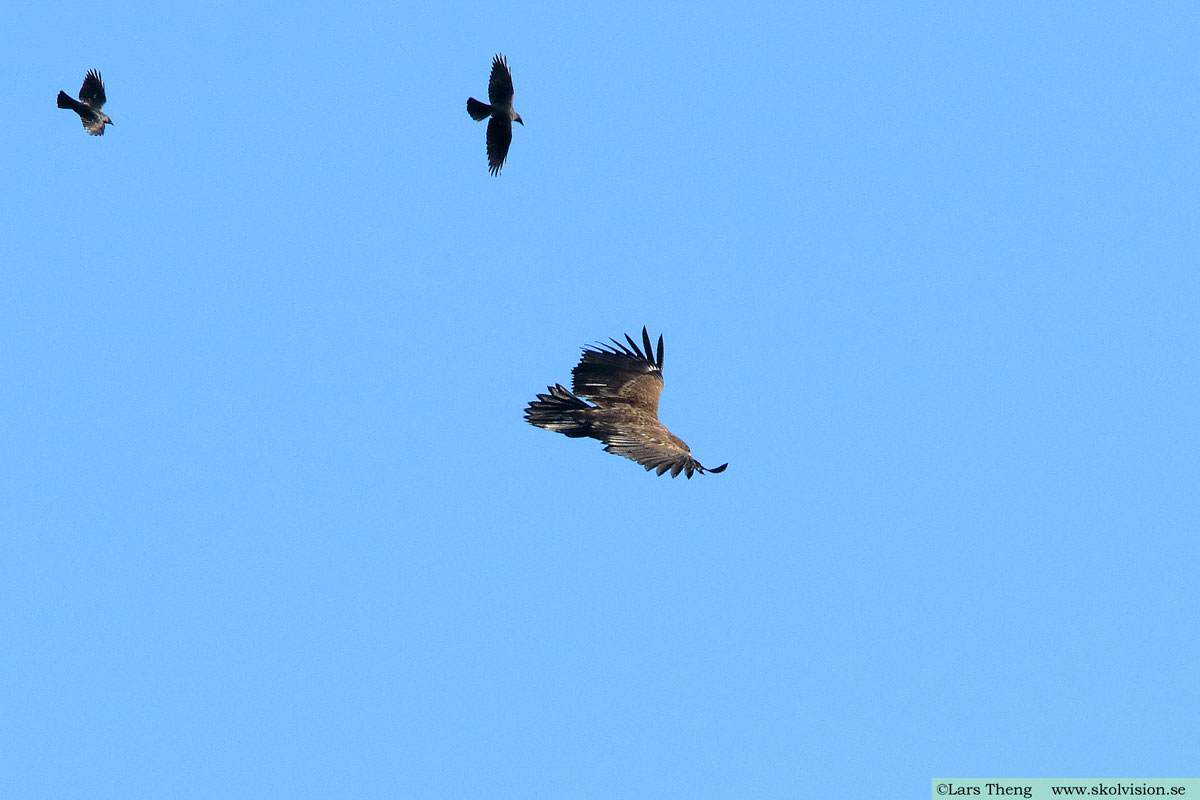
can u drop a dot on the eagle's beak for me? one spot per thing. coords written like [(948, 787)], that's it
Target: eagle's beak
[(520, 120)]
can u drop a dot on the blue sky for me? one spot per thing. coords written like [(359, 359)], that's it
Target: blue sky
[(275, 526)]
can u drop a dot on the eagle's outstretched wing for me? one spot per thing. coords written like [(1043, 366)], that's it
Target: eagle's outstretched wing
[(654, 447), (619, 374)]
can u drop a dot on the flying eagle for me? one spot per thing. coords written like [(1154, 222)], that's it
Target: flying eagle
[(624, 383), (92, 96), (499, 129)]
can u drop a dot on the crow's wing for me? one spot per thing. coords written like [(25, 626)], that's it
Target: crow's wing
[(92, 91), (499, 137), (92, 122), (500, 88)]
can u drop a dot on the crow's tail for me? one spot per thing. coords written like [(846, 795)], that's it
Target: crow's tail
[(476, 109)]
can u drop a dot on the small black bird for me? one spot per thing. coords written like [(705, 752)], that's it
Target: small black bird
[(92, 96), (499, 130)]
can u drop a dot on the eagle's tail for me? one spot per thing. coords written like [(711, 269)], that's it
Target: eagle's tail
[(559, 411), (478, 110)]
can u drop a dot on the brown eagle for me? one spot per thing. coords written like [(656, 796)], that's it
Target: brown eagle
[(624, 383)]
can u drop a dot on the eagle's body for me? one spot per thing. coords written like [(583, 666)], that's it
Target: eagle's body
[(625, 384), (500, 109), (91, 100)]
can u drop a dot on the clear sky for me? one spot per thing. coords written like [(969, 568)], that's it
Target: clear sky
[(274, 526)]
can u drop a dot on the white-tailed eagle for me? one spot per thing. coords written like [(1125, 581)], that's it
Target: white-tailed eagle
[(624, 383)]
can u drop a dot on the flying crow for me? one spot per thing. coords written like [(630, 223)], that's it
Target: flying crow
[(91, 100), (499, 129)]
